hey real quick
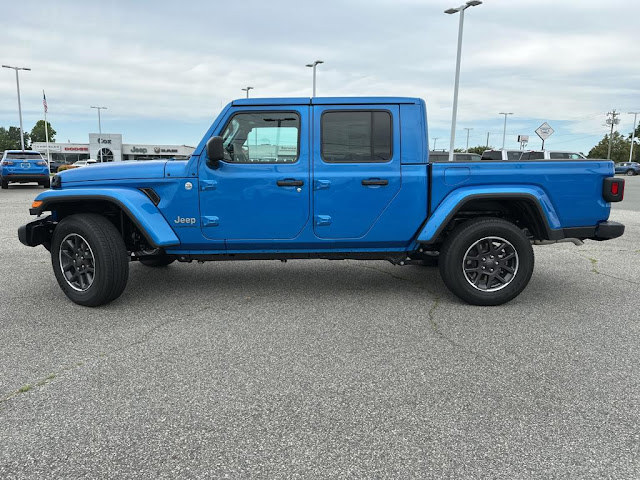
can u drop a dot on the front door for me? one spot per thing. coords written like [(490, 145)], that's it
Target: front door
[(261, 189), (356, 168)]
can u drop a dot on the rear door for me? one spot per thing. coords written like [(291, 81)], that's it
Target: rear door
[(356, 167)]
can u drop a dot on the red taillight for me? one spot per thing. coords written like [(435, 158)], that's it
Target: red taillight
[(42, 164), (613, 189), (7, 162)]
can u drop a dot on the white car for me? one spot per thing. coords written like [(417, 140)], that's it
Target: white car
[(552, 155), (84, 163)]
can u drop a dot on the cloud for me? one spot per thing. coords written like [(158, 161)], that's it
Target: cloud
[(181, 61)]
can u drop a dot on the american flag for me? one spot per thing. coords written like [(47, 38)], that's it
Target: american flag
[(44, 102)]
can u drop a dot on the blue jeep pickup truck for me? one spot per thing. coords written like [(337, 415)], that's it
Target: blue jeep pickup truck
[(331, 178)]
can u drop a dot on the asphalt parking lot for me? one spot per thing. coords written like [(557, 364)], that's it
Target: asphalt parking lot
[(316, 369)]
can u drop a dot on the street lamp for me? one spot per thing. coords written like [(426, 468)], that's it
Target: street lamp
[(19, 106), (504, 130), (99, 128), (246, 89), (314, 65), (468, 130), (633, 133), (461, 9)]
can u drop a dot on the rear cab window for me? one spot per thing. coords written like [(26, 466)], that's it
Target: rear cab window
[(492, 155), (514, 155)]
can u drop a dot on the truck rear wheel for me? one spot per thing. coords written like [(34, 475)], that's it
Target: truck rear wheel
[(486, 261), (90, 260)]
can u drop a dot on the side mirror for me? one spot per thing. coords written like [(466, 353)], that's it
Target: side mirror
[(215, 152)]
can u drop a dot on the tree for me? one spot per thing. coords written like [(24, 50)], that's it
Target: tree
[(10, 139), (38, 132), (619, 148), (479, 149)]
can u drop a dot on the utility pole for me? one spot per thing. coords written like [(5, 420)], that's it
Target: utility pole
[(633, 133), (435, 139), (613, 121), (468, 130)]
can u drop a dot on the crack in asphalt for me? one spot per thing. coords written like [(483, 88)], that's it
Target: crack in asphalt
[(144, 337)]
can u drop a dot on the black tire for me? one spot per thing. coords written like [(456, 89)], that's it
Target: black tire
[(4, 184), (630, 172), (90, 236), (157, 261), (46, 183), (475, 250)]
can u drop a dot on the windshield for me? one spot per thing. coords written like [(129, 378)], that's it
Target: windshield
[(24, 156)]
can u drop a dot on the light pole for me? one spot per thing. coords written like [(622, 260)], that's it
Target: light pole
[(633, 133), (314, 65), (19, 106), (461, 9), (246, 89), (435, 139), (99, 128), (468, 130), (504, 130)]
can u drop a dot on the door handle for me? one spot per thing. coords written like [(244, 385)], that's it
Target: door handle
[(289, 182), (374, 181)]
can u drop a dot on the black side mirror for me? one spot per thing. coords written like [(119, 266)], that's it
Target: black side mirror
[(215, 152)]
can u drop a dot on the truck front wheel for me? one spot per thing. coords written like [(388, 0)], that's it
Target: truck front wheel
[(486, 261), (90, 260)]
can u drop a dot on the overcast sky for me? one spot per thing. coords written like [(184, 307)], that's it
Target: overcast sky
[(164, 69)]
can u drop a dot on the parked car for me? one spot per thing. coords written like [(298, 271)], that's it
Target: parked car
[(83, 163), (506, 155), (442, 156), (533, 155), (23, 166), (628, 168), (341, 178)]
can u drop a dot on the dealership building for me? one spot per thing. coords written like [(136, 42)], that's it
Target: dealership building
[(108, 147)]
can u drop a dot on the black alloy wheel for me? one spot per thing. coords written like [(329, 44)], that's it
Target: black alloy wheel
[(77, 262), (486, 261), (89, 259)]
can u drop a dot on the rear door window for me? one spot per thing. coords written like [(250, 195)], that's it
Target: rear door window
[(356, 136)]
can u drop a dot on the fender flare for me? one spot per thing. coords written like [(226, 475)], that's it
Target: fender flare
[(134, 203), (456, 200)]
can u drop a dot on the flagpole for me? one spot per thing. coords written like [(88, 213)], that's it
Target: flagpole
[(46, 131)]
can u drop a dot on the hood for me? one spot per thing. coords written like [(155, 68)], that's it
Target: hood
[(115, 171)]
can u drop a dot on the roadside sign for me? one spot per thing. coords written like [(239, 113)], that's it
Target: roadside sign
[(544, 131)]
